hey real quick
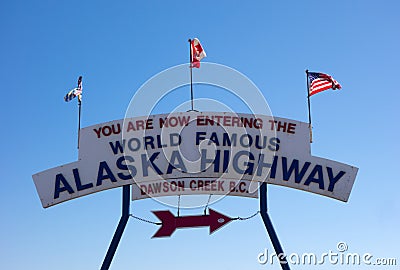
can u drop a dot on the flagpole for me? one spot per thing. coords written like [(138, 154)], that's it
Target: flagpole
[(309, 106), (191, 72), (79, 118)]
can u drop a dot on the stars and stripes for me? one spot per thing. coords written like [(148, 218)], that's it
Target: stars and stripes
[(320, 82), (76, 92), (196, 52)]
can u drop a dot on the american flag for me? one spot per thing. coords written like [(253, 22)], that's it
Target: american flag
[(320, 82), (76, 92)]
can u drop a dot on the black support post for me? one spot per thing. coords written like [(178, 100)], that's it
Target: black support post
[(120, 228), (270, 228)]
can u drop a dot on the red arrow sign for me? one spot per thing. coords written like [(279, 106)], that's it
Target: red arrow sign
[(170, 223)]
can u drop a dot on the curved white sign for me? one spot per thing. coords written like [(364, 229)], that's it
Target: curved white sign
[(195, 153)]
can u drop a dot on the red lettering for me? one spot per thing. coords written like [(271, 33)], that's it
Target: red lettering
[(97, 132), (184, 121), (139, 124), (143, 190), (232, 185), (220, 185), (200, 120), (207, 185), (163, 122), (173, 186), (236, 122), (291, 128), (272, 124), (209, 121), (247, 122), (227, 121), (165, 186), (200, 184), (118, 131), (193, 185), (130, 127), (149, 124), (150, 190), (258, 123), (281, 126), (218, 117), (242, 187), (173, 121), (106, 132)]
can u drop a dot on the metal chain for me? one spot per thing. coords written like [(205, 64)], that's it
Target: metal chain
[(246, 218), (205, 208), (146, 220), (179, 203)]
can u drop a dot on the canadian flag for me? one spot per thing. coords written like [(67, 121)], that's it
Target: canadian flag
[(197, 53)]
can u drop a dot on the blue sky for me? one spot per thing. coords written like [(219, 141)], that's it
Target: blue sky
[(117, 46)]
